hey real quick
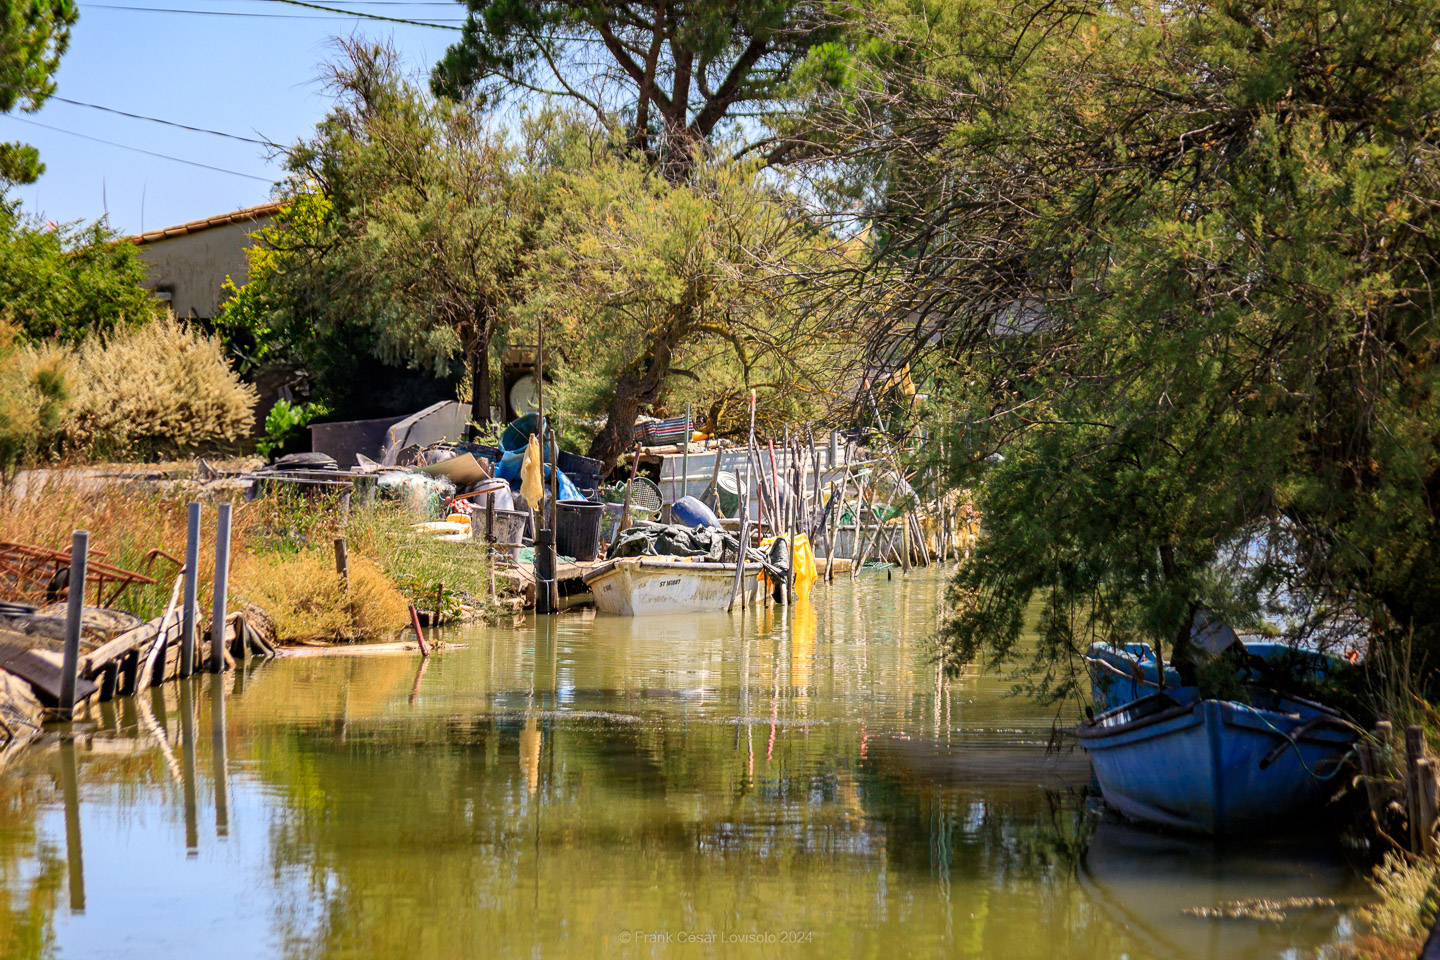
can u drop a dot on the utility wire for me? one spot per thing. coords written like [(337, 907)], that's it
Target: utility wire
[(139, 116), (349, 14), (150, 153)]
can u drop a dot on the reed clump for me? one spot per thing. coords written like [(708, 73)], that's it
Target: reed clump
[(307, 600)]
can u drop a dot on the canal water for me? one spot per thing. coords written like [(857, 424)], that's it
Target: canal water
[(799, 784)]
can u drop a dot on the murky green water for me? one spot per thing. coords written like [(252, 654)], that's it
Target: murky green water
[(607, 787)]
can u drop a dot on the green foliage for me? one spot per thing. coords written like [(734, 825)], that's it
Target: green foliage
[(284, 420), (400, 240), (1185, 251), (34, 34), (673, 72), (67, 282), (655, 292)]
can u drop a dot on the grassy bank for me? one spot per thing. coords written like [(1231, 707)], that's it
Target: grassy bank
[(283, 549)]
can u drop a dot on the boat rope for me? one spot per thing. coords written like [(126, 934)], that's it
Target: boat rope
[(1323, 778)]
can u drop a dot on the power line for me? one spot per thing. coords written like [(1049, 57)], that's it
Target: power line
[(150, 153), (139, 116), (349, 14)]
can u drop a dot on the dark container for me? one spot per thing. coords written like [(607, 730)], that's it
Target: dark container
[(577, 528), (584, 472)]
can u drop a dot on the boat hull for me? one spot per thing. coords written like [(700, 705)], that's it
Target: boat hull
[(1212, 766), (645, 586)]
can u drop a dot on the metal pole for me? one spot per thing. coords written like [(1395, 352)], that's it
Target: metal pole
[(744, 537), (191, 612), (685, 458), (221, 588), (74, 621)]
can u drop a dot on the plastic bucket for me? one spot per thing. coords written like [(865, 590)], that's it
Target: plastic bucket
[(577, 466), (497, 488), (509, 529), (577, 528), (729, 491)]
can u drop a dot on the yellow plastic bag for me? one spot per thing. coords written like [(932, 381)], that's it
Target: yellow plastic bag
[(802, 555), (532, 482)]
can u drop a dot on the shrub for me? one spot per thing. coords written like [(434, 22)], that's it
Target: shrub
[(69, 282), (284, 420), (156, 390), (32, 395), (307, 600)]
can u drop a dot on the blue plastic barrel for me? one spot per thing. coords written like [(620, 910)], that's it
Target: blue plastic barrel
[(689, 512)]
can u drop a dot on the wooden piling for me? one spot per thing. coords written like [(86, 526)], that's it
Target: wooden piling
[(1426, 795), (342, 561), (74, 622), (1415, 752), (221, 589)]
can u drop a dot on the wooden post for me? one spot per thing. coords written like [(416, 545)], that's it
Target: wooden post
[(221, 589), (1414, 754), (1370, 772), (624, 523), (191, 612), (1426, 794), (551, 547), (342, 561), (74, 622), (711, 496), (855, 556)]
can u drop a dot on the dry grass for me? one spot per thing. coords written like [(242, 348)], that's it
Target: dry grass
[(156, 389), (125, 522), (307, 600), (282, 547)]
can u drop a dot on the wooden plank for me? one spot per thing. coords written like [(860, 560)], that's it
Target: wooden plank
[(43, 676)]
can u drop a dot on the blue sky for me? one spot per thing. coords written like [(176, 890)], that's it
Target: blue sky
[(255, 77)]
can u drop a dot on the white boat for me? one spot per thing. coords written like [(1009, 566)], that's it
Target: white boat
[(640, 586)]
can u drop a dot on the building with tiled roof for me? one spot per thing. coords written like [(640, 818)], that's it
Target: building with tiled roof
[(187, 264)]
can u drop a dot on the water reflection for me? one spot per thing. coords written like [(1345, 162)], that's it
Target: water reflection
[(1152, 884), (545, 790)]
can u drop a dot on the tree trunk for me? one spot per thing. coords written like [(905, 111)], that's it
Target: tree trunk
[(631, 392), (480, 385)]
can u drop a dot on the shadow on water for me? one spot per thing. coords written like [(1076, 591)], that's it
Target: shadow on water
[(553, 789)]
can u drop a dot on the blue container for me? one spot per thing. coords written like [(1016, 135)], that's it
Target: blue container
[(517, 434), (689, 512)]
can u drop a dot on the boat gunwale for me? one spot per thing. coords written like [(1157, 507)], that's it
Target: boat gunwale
[(1095, 730), (676, 564)]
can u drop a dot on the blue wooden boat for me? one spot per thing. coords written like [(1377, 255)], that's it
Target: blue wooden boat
[(1124, 673), (1216, 766)]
